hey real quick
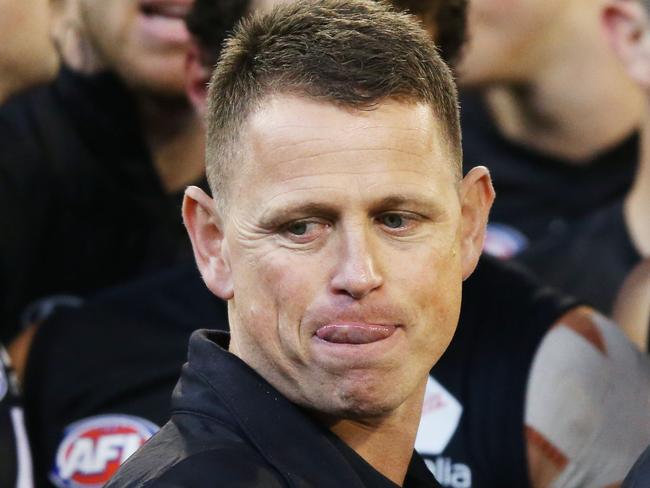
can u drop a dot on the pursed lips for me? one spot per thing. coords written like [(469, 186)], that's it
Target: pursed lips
[(343, 332)]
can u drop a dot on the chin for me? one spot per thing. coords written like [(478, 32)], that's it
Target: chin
[(359, 403), (165, 80)]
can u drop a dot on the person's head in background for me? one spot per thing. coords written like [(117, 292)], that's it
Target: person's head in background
[(552, 80), (27, 52), (210, 21), (512, 41), (144, 42)]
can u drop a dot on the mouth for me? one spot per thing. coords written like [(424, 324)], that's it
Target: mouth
[(355, 333), (162, 22)]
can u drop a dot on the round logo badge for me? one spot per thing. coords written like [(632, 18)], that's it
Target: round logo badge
[(503, 241), (93, 449)]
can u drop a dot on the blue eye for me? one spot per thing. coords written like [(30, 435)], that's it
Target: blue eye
[(392, 221)]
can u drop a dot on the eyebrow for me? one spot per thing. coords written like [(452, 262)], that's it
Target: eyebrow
[(277, 216), (284, 213), (400, 200)]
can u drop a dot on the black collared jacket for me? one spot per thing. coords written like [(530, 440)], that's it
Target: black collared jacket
[(231, 428)]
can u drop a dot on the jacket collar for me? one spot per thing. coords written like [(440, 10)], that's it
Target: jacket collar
[(216, 383)]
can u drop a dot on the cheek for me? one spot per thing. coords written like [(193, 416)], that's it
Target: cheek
[(275, 287), (108, 24), (435, 291)]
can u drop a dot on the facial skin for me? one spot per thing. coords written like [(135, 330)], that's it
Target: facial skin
[(506, 38), (342, 251), (144, 41), (27, 53)]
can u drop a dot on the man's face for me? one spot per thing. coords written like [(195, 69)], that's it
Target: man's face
[(506, 38), (342, 241), (144, 41), (27, 53)]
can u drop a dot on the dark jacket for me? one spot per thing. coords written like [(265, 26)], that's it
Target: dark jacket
[(639, 476), (231, 428)]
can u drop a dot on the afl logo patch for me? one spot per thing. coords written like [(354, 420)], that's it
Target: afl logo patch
[(503, 241), (93, 449)]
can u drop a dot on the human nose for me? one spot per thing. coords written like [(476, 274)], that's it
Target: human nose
[(357, 272)]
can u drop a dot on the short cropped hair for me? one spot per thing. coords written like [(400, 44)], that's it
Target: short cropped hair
[(351, 53), (448, 18), (210, 22)]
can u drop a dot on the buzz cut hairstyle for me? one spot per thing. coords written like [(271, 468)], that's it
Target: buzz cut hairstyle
[(351, 53)]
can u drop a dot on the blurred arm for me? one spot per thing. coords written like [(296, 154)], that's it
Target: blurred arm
[(587, 405)]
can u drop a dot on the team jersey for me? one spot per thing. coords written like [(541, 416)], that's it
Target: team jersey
[(596, 250), (114, 363)]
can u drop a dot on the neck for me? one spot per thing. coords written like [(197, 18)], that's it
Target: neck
[(175, 136), (637, 202), (576, 103), (385, 443)]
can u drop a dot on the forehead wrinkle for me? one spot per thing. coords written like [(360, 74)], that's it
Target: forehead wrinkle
[(275, 135), (318, 154), (347, 172), (288, 195)]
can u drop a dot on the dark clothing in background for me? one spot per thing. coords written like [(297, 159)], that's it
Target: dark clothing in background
[(122, 353), (81, 204), (229, 427), (556, 210), (591, 259)]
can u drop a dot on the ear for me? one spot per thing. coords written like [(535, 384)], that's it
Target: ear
[(205, 228), (197, 77), (626, 26), (476, 197)]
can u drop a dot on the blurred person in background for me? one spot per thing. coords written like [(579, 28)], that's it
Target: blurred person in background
[(28, 57), (117, 370), (93, 165), (549, 109), (500, 404)]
